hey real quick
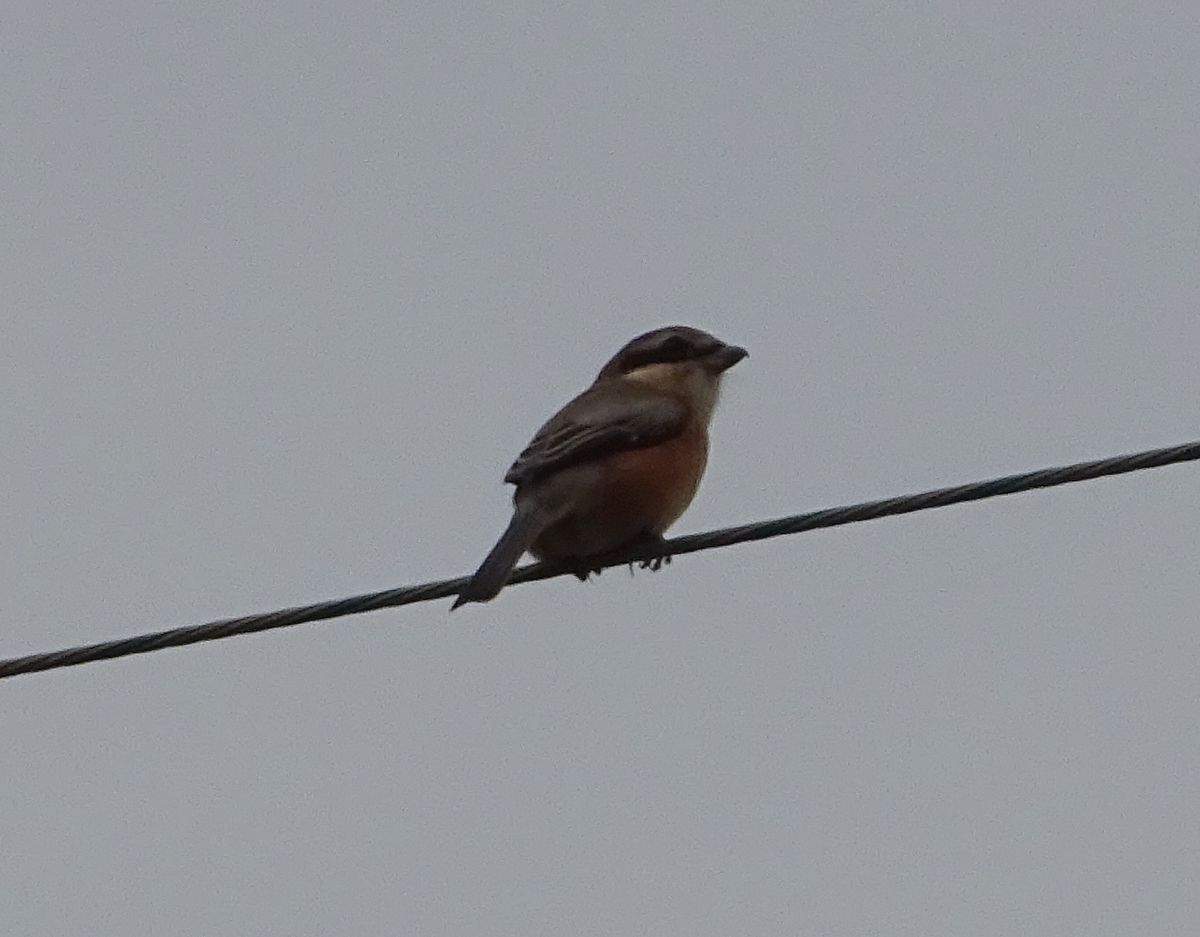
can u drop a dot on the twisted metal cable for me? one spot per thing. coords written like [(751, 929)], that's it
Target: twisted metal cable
[(444, 588)]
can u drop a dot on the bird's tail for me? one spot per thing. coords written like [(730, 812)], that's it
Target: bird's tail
[(498, 565)]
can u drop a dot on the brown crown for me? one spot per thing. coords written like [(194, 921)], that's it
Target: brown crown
[(672, 344)]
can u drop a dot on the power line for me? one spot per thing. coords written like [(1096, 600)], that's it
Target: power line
[(444, 588)]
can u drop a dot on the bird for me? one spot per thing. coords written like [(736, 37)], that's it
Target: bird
[(618, 464)]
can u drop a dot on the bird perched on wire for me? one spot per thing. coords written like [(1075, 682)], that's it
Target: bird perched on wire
[(619, 464)]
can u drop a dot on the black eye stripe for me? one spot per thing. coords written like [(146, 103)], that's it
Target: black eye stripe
[(664, 346), (664, 354)]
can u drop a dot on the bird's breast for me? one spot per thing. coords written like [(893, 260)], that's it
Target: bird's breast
[(656, 484), (623, 497)]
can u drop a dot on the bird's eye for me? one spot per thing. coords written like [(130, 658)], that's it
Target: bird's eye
[(676, 347)]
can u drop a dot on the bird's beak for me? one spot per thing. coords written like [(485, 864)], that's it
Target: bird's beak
[(726, 357)]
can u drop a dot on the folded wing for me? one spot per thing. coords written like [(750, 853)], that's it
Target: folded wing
[(608, 417)]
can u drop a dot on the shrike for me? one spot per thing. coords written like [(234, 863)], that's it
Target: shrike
[(617, 465)]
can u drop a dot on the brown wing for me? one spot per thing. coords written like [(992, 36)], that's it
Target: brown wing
[(610, 416)]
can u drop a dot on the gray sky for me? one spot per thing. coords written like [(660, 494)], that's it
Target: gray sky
[(286, 287)]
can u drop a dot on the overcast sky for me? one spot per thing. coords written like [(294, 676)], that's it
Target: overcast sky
[(287, 286)]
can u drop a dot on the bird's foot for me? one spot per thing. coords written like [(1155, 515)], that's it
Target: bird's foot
[(654, 564), (581, 571)]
